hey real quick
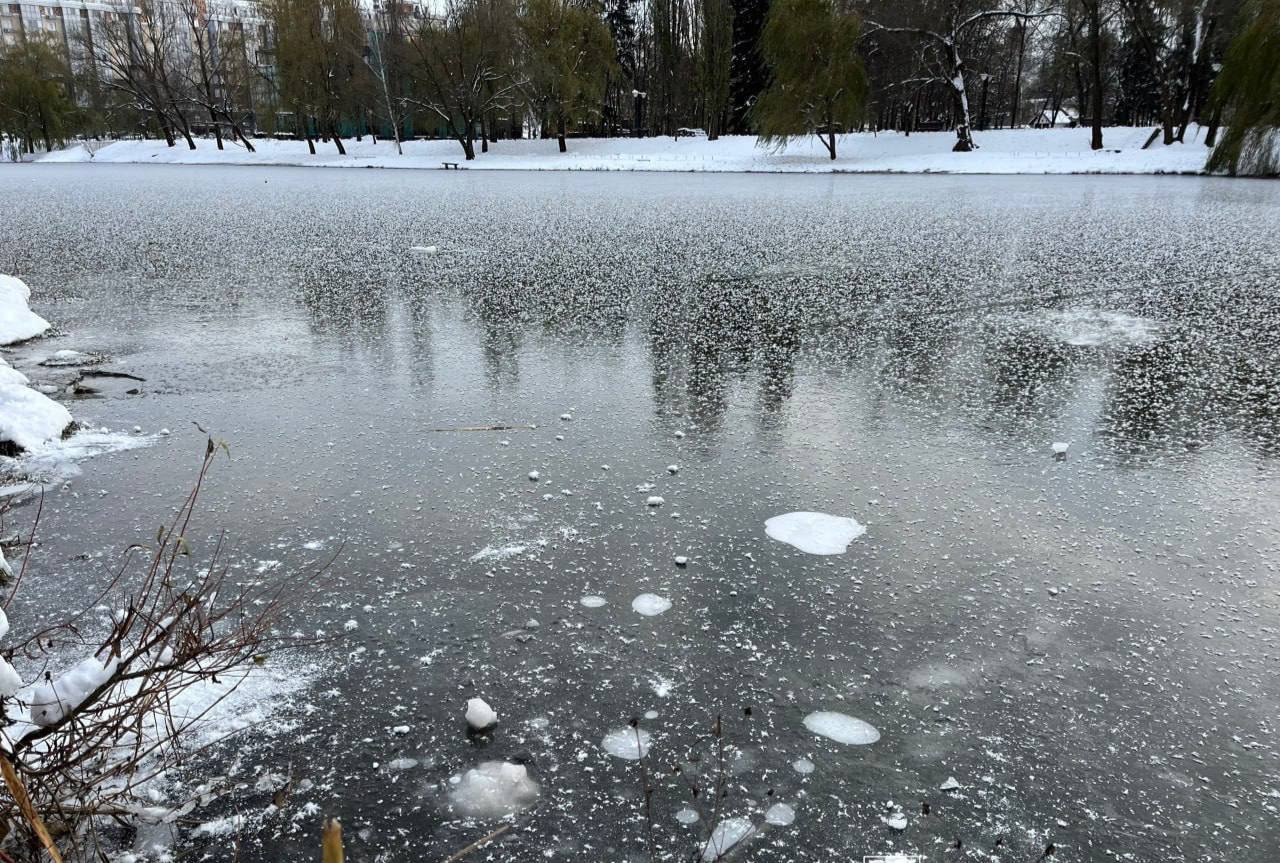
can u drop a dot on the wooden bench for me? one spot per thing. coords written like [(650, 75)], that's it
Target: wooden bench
[(448, 165)]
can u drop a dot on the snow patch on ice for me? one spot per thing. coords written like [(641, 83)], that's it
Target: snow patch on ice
[(593, 601), (814, 532), (841, 728), (780, 815), (727, 834), (650, 604), (57, 459), (502, 552), (1093, 328), (28, 418), (494, 789), (17, 322), (630, 744)]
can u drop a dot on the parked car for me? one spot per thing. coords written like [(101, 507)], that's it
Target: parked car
[(690, 133)]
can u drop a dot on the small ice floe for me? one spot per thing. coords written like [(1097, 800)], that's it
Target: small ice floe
[(814, 532), (402, 763), (687, 816), (681, 560), (728, 833), (650, 604), (480, 716), (566, 417), (68, 358), (424, 250), (841, 728), (952, 784), (803, 766), (494, 789), (654, 500), (1060, 447), (534, 475), (630, 744), (679, 435), (780, 815), (593, 601), (673, 468), (895, 821), (400, 730)]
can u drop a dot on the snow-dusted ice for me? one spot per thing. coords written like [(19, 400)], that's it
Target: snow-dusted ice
[(650, 604), (841, 728), (593, 601), (814, 532), (630, 744), (493, 789)]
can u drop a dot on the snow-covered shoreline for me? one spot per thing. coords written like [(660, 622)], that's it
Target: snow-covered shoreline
[(1004, 151)]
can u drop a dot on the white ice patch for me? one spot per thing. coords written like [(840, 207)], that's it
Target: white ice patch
[(841, 728), (630, 744), (650, 604), (780, 815), (501, 552), (727, 834), (56, 460), (814, 532), (687, 816), (593, 601), (1093, 328), (803, 766), (494, 789), (17, 322)]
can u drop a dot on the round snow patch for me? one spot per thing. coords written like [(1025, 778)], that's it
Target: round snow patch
[(780, 815), (814, 532), (630, 744), (593, 601), (650, 604), (841, 728), (803, 766)]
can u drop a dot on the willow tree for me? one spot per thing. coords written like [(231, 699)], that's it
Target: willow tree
[(34, 104), (1248, 92), (817, 84), (568, 51)]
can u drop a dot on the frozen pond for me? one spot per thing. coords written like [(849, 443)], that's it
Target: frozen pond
[(1088, 643)]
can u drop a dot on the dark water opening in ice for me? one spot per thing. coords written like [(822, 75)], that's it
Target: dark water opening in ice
[(1088, 645)]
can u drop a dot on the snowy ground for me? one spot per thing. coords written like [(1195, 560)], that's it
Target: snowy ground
[(1074, 648), (1017, 151)]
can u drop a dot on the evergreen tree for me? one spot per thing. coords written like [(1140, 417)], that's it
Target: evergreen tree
[(817, 83), (748, 74)]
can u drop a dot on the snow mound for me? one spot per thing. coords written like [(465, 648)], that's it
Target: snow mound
[(29, 419), (841, 728), (494, 789), (51, 701), (630, 744), (17, 322), (10, 375), (814, 532), (480, 715)]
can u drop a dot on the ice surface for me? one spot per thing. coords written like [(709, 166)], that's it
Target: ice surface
[(728, 833), (780, 815), (628, 743), (841, 727), (17, 322), (593, 601), (650, 604), (814, 532), (29, 419), (1093, 328), (494, 789), (480, 715), (501, 552)]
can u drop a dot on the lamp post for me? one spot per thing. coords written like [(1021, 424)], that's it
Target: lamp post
[(637, 101)]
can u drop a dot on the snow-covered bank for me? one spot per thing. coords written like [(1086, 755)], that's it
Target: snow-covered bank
[(1006, 151), (27, 418)]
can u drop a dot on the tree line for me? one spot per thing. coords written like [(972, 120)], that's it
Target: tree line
[(485, 70)]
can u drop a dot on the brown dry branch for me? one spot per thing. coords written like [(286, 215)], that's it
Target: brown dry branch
[(84, 744)]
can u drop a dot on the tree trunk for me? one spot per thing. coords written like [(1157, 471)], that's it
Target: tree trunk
[(1214, 121), (311, 145), (831, 143), (1095, 85), (217, 130), (337, 140), (964, 133), (560, 134), (1017, 75)]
